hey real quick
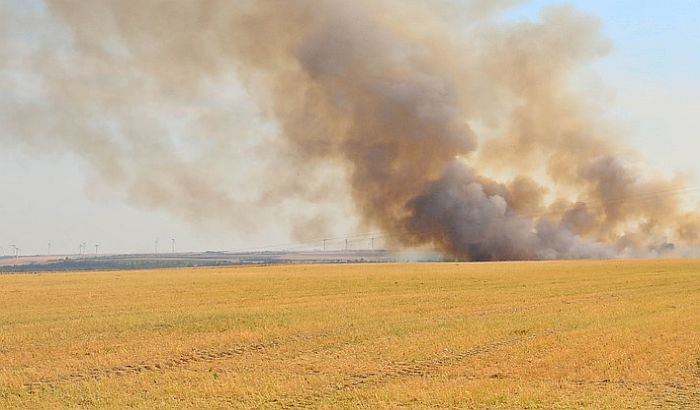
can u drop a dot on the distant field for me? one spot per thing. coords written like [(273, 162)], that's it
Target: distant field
[(599, 334)]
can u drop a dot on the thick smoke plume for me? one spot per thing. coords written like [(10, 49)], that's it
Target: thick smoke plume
[(455, 128)]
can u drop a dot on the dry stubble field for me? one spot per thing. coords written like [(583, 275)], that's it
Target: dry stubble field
[(598, 334)]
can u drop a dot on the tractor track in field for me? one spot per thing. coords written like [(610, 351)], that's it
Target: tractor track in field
[(663, 395), (396, 370), (200, 356), (300, 356), (309, 355), (196, 356)]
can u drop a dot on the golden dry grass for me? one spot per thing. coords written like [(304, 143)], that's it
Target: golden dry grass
[(598, 334)]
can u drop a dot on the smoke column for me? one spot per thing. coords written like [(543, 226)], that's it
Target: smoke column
[(453, 128)]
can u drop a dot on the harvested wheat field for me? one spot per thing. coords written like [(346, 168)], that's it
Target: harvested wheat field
[(598, 334)]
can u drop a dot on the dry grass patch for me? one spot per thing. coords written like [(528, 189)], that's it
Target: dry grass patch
[(597, 334)]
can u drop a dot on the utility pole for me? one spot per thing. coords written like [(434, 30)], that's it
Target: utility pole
[(156, 246), (346, 244), (324, 244), (97, 246), (49, 250), (173, 239), (373, 243)]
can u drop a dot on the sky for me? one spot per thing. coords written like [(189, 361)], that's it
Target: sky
[(651, 73), (649, 78)]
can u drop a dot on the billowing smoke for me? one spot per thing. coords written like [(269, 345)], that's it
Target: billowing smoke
[(453, 127)]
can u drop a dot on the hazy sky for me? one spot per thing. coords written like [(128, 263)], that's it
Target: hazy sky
[(650, 78)]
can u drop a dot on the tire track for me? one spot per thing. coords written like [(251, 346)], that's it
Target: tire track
[(196, 356), (396, 370), (663, 395)]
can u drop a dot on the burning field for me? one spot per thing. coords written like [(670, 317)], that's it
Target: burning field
[(446, 130), (597, 334)]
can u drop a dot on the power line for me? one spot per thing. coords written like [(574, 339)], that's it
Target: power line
[(380, 234), (307, 242)]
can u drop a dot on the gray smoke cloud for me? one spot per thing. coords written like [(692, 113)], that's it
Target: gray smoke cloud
[(390, 95)]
